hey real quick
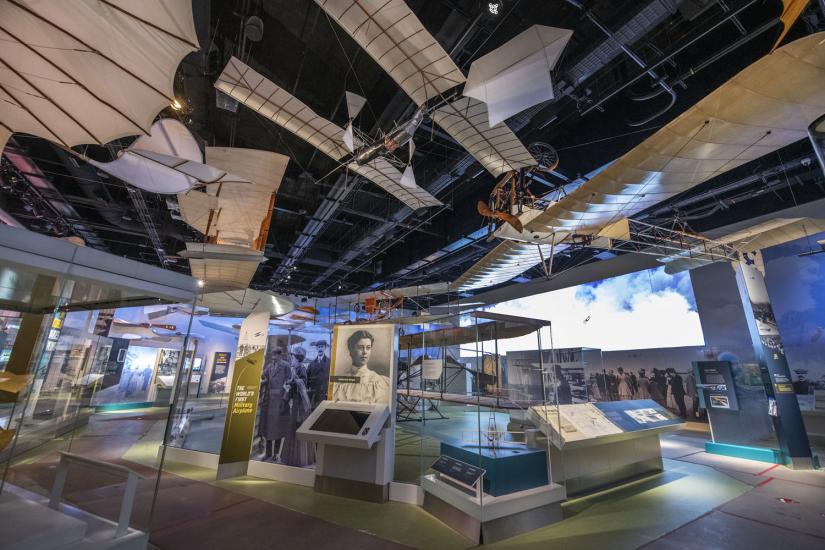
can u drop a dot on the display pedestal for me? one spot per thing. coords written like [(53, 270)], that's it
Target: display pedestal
[(584, 468), (508, 468), (490, 519), (598, 445), (355, 446), (363, 474)]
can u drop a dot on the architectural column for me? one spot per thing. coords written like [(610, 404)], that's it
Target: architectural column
[(783, 405)]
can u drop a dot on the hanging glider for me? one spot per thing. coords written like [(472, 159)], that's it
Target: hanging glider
[(394, 37), (89, 71), (233, 216), (516, 76), (251, 89), (765, 107)]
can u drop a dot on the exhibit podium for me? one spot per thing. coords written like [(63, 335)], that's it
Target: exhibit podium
[(599, 445), (355, 446)]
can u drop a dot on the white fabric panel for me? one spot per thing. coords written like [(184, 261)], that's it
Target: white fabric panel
[(408, 178), (766, 106), (387, 177), (223, 274), (222, 267), (516, 76), (354, 104), (195, 209), (89, 71), (394, 37), (244, 204), (240, 302), (262, 168), (250, 88), (349, 139), (497, 148)]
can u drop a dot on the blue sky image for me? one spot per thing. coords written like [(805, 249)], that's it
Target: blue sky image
[(796, 286), (647, 309)]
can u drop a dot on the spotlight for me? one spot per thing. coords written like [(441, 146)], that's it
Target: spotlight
[(494, 7), (200, 283)]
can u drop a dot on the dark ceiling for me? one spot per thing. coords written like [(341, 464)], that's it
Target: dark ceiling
[(332, 233)]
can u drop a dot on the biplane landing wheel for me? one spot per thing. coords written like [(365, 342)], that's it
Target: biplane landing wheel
[(545, 154)]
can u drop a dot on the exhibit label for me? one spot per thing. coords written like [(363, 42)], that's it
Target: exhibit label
[(243, 394)]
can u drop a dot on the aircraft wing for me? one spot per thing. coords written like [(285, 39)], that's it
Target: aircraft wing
[(766, 106), (395, 38), (387, 177), (253, 90)]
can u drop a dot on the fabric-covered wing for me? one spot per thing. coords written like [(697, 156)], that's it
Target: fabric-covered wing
[(387, 177), (497, 148), (260, 94), (765, 107), (222, 267), (243, 206), (242, 302), (505, 261), (197, 209), (764, 235), (89, 71), (774, 232), (394, 37)]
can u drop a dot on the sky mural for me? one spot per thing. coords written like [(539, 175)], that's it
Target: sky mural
[(796, 285), (647, 309)]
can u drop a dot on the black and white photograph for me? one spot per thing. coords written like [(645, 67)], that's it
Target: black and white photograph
[(363, 358)]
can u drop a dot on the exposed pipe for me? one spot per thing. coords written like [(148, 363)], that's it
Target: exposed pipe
[(710, 60), (668, 56), (636, 59)]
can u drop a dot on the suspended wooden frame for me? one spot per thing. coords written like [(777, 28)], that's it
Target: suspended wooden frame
[(765, 107)]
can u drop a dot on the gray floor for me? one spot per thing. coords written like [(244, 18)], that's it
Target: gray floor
[(784, 509)]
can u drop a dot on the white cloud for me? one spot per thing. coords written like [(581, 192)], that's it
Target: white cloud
[(649, 309)]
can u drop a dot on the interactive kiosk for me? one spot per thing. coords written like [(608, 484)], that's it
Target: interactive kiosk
[(354, 456), (355, 429)]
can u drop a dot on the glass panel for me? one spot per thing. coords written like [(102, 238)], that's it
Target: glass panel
[(94, 391)]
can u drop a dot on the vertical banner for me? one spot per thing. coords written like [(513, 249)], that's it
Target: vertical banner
[(243, 396), (783, 405)]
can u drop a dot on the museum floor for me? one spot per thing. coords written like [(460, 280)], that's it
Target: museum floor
[(700, 501)]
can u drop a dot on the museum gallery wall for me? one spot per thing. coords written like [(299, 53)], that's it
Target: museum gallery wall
[(649, 330)]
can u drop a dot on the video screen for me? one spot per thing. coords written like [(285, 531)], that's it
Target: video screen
[(340, 422)]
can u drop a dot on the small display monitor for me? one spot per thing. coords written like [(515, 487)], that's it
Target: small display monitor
[(340, 421)]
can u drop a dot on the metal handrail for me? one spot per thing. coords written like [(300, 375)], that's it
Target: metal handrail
[(131, 476)]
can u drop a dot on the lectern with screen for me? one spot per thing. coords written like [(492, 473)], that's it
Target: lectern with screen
[(357, 425)]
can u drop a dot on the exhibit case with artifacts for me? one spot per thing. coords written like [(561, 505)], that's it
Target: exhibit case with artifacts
[(598, 445), (461, 417)]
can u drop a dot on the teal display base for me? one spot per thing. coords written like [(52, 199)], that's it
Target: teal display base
[(771, 456), (122, 406), (509, 468)]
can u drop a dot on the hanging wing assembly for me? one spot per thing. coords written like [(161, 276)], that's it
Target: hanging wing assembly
[(250, 88), (766, 106), (89, 71), (395, 38)]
